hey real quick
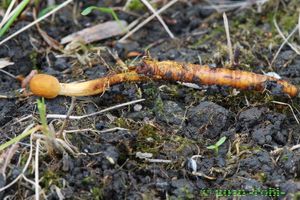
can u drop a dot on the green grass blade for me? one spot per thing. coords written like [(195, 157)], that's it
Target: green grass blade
[(110, 11), (88, 10), (18, 138), (23, 4), (46, 10), (221, 141), (211, 147), (42, 111)]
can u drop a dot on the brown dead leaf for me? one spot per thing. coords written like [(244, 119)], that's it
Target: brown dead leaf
[(98, 32), (5, 62)]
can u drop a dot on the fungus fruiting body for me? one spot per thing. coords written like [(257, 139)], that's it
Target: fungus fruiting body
[(49, 87), (45, 85)]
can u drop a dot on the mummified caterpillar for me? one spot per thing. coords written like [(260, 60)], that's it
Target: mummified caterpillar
[(49, 87), (192, 73)]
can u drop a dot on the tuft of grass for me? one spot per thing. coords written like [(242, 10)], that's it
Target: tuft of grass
[(46, 10), (135, 5), (18, 11), (97, 193), (50, 144), (50, 178)]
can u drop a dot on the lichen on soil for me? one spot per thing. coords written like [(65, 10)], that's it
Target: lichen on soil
[(174, 123)]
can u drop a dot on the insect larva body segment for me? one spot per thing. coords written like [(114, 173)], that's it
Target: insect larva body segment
[(196, 79), (168, 75), (244, 80)]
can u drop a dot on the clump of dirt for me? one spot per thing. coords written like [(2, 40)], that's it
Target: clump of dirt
[(208, 119)]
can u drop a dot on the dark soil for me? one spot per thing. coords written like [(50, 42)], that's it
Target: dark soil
[(174, 123)]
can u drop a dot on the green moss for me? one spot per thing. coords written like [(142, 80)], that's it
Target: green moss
[(248, 147), (137, 5), (262, 177), (185, 194), (296, 196), (121, 122), (148, 139), (151, 91), (33, 58), (87, 180), (284, 158), (126, 123), (159, 105), (97, 193), (50, 178), (288, 21), (208, 37), (172, 90), (182, 142), (79, 110)]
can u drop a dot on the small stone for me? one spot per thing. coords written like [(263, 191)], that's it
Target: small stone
[(100, 125), (137, 107)]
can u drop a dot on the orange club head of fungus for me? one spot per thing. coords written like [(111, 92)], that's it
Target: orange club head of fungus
[(44, 85)]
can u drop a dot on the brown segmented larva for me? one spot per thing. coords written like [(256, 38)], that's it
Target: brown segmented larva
[(203, 74)]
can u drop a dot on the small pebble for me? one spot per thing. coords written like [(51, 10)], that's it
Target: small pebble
[(192, 164), (137, 107)]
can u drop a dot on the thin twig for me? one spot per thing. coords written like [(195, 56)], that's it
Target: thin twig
[(57, 116), (67, 117), (299, 24), (24, 169), (229, 45), (28, 180), (3, 96), (282, 103), (36, 177), (149, 6), (7, 156), (96, 131), (62, 144), (227, 5), (23, 119), (69, 144), (297, 146), (147, 20), (286, 40), (127, 4), (8, 74), (204, 175), (113, 129), (152, 160)]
